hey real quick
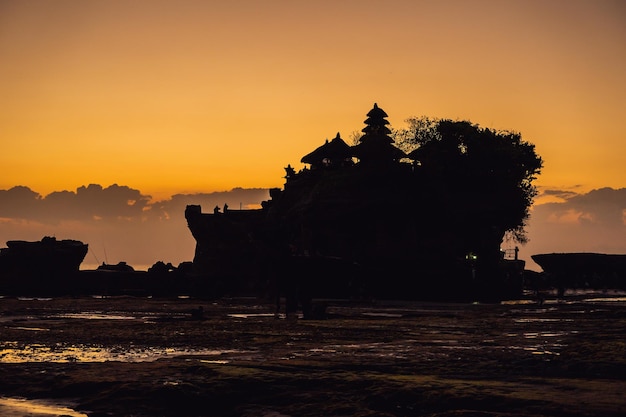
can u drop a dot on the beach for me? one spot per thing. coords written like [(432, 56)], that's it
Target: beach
[(143, 356)]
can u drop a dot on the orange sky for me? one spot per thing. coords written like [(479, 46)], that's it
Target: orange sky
[(198, 96)]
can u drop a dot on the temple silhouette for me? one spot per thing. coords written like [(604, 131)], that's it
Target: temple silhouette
[(355, 222)]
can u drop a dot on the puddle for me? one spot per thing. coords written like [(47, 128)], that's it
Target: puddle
[(536, 335), (534, 311), (540, 320), (21, 407), (518, 302), (252, 315), (96, 315), (605, 300), (65, 354), (540, 351), (33, 329)]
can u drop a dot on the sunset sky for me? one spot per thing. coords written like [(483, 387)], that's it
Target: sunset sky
[(197, 96), (186, 96)]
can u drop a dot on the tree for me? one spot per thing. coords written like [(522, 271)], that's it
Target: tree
[(479, 181)]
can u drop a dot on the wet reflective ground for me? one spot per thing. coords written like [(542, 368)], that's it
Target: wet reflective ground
[(153, 357)]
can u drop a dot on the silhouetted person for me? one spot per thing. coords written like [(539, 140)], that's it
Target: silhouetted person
[(216, 210), (225, 207)]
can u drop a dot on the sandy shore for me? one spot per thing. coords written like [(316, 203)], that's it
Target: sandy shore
[(151, 357)]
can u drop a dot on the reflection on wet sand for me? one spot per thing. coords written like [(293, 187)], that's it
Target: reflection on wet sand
[(148, 349), (21, 407), (65, 354), (424, 338)]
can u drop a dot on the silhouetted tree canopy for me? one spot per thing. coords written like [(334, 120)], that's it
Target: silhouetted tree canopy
[(482, 177)]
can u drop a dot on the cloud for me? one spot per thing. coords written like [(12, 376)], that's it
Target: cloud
[(118, 222), (581, 222), (19, 202), (237, 198), (90, 202), (601, 207), (562, 194), (121, 223), (95, 202)]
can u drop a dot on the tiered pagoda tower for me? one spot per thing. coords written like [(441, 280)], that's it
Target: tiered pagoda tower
[(376, 147)]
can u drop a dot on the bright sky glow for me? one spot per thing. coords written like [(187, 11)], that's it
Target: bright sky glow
[(198, 96)]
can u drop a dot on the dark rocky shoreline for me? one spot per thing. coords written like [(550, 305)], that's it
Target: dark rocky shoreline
[(564, 358)]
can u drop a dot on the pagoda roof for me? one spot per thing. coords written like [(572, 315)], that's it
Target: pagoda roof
[(376, 122), (376, 147), (382, 129), (377, 112), (334, 150)]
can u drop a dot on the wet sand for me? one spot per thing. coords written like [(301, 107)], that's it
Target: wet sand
[(148, 357)]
